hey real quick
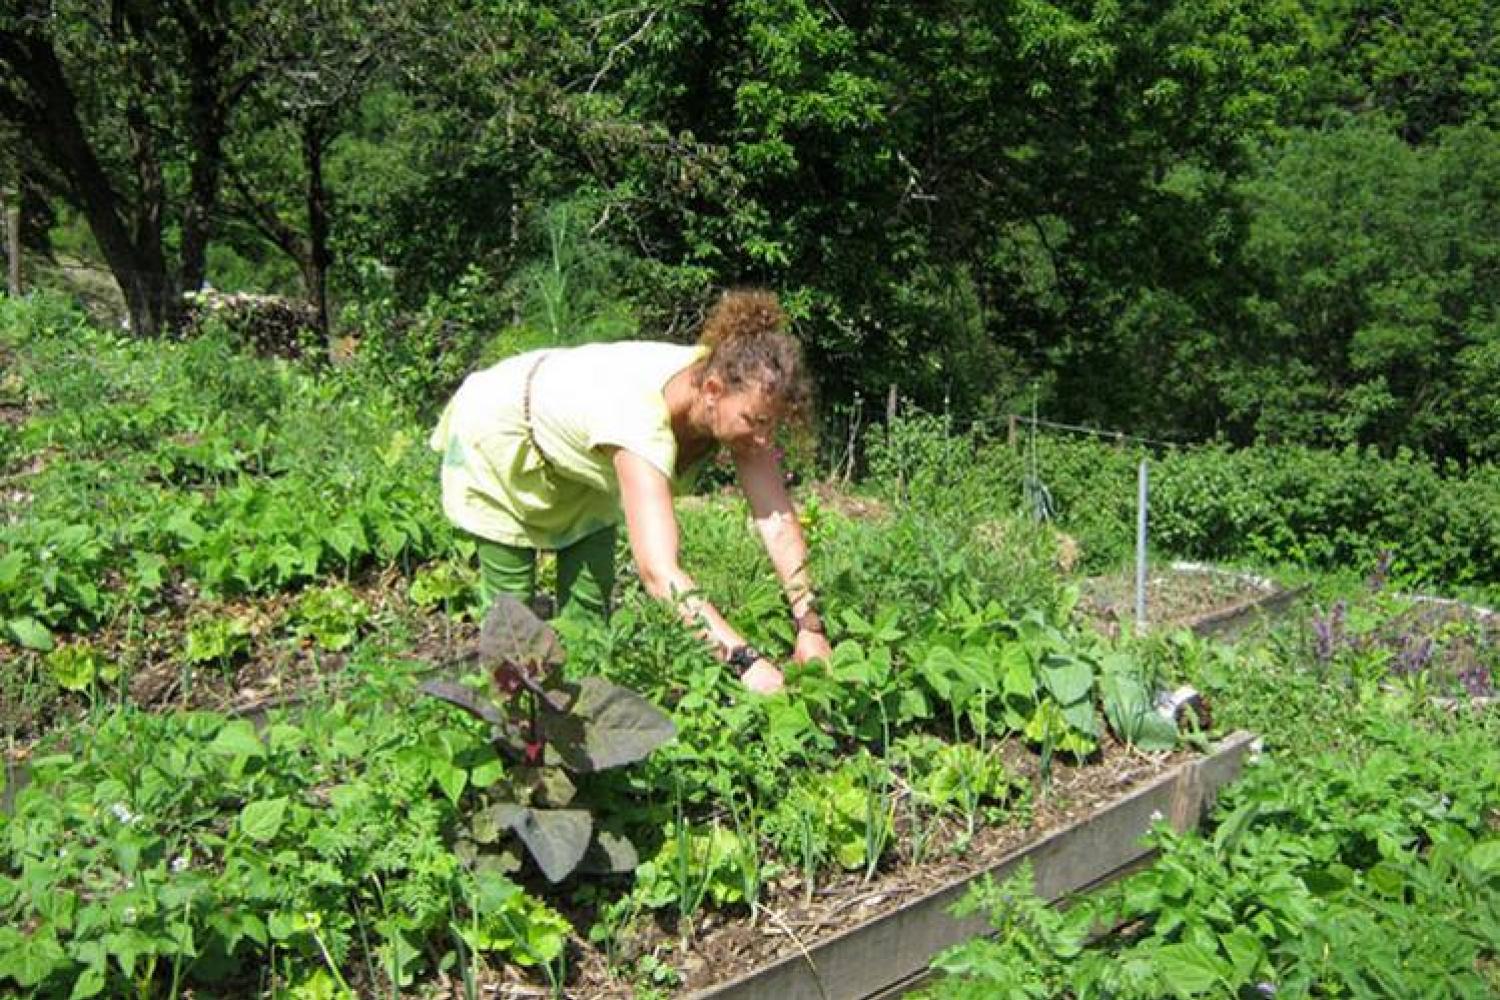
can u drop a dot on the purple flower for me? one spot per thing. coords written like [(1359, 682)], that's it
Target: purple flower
[(1328, 632), (1475, 677), (1415, 654)]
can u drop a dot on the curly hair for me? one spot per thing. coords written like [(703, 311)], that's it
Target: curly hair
[(746, 333)]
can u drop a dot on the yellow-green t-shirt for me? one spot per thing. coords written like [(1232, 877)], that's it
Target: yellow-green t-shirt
[(497, 485)]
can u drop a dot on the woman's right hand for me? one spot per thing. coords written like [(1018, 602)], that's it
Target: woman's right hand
[(763, 677)]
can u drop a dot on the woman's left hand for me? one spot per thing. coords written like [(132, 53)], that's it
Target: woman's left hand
[(811, 646)]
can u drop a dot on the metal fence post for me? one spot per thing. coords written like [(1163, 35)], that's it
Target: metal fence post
[(1140, 548)]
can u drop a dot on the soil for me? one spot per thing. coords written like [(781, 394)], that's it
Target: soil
[(1181, 594)]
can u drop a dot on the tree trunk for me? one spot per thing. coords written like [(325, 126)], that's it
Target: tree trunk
[(208, 122), (13, 241), (315, 270), (48, 111)]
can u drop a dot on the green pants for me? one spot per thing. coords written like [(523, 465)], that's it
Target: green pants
[(585, 573)]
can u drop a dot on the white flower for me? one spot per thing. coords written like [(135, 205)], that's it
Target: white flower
[(1156, 816), (180, 863), (122, 813)]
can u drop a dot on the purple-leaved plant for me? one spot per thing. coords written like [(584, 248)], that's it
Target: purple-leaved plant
[(1475, 677), (1413, 657), (1328, 632)]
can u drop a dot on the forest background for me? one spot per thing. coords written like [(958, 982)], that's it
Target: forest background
[(1234, 220)]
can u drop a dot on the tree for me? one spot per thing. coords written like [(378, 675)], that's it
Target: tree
[(1379, 312), (124, 108)]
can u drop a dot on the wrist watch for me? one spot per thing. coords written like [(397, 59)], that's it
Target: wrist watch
[(743, 657)]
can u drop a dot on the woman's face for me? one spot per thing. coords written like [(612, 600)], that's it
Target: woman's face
[(742, 418)]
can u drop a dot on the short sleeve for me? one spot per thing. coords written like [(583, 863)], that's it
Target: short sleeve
[(639, 424)]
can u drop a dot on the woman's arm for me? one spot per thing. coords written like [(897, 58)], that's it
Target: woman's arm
[(651, 525), (781, 532)]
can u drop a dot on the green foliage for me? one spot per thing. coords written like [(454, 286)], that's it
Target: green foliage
[(192, 848), (79, 667), (330, 617), (217, 639), (1319, 508), (1380, 283), (201, 465), (1356, 857)]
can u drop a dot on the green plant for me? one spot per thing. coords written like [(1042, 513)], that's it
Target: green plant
[(219, 639), (329, 617), (963, 778), (79, 667), (449, 584)]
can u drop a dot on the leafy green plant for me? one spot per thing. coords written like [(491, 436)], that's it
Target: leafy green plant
[(219, 639), (329, 617), (551, 729), (698, 864), (450, 585), (79, 667), (962, 778), (1129, 699)]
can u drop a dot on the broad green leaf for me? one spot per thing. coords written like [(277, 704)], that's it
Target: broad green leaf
[(10, 568), (89, 984), (1015, 663), (261, 820), (789, 725), (912, 705), (31, 634), (1131, 714), (1189, 970), (30, 958), (238, 739), (450, 779), (349, 742), (939, 668), (1486, 856), (493, 891), (1080, 715), (1068, 678), (487, 773), (1245, 952)]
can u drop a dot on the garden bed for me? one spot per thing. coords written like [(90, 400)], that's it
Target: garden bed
[(1205, 598), (857, 937), (908, 925)]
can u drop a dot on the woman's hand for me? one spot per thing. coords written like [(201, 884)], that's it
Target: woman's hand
[(811, 646), (763, 677)]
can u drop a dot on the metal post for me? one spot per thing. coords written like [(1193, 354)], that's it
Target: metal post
[(1140, 548)]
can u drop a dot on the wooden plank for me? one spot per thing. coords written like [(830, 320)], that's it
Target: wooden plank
[(865, 960)]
